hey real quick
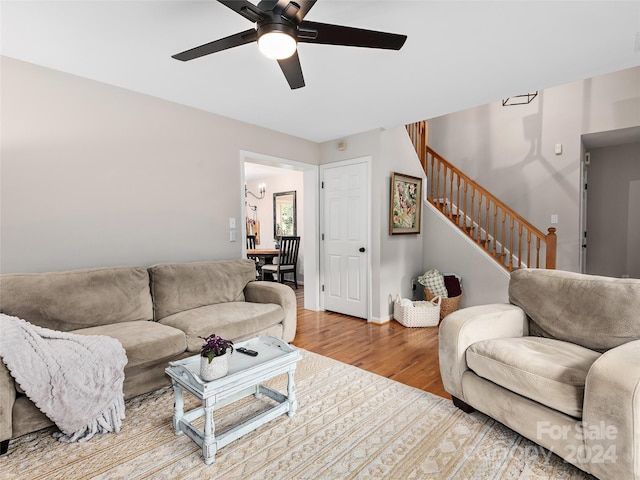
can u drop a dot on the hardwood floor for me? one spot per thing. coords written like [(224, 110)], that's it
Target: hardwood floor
[(407, 355)]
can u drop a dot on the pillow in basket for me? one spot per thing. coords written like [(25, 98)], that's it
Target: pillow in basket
[(453, 285), (434, 281)]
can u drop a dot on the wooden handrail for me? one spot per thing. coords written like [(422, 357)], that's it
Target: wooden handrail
[(500, 231)]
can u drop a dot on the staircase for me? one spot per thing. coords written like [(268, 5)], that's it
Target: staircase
[(510, 239)]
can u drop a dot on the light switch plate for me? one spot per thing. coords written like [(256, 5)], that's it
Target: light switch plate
[(232, 222)]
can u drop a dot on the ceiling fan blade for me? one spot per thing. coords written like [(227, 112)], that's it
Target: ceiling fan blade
[(231, 41), (294, 11), (292, 71), (324, 33), (267, 5), (305, 6), (245, 8)]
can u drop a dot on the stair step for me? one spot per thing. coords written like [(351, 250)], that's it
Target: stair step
[(442, 207), (471, 231)]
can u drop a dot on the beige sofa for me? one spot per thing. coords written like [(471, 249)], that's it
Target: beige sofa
[(157, 314), (560, 365)]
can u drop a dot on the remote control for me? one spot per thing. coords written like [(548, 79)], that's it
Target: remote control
[(246, 351)]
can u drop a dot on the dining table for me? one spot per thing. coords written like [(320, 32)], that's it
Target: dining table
[(265, 255)]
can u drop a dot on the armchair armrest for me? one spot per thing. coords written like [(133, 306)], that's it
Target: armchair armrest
[(272, 292), (7, 399), (611, 413), (467, 326)]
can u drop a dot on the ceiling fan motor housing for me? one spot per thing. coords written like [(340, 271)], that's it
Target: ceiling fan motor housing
[(279, 24)]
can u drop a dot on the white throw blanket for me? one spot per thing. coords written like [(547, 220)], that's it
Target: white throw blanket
[(75, 380)]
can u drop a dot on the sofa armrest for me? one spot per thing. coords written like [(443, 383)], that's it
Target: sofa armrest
[(7, 399), (611, 413), (272, 292), (467, 326)]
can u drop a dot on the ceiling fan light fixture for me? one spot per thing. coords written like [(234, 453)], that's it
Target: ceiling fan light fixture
[(277, 45)]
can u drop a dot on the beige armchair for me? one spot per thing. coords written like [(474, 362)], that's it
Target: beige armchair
[(560, 365)]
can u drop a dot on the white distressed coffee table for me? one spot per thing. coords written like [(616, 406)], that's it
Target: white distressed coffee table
[(246, 373)]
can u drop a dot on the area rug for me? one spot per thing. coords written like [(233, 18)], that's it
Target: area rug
[(349, 424)]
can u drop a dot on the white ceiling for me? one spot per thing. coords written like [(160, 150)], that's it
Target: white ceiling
[(458, 55)]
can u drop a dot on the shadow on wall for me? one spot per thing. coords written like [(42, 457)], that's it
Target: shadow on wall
[(532, 128)]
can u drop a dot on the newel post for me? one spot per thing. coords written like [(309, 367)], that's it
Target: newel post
[(551, 248)]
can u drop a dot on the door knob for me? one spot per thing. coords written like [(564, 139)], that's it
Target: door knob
[(362, 249)]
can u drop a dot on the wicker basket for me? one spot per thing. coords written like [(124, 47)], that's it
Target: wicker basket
[(419, 314), (447, 305)]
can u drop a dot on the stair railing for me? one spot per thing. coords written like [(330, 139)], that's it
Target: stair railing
[(496, 228)]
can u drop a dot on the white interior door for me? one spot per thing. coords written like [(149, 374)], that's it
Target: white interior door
[(345, 238)]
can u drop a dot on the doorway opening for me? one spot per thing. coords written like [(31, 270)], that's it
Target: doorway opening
[(265, 175), (610, 206)]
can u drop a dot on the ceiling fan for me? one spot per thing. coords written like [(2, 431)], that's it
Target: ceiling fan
[(280, 26)]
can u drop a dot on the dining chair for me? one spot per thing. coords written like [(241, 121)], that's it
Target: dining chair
[(251, 245), (287, 260)]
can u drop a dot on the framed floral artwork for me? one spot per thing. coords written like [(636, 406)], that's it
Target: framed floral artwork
[(405, 210)]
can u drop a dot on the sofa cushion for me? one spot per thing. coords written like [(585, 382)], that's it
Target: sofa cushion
[(548, 371), (177, 287), (230, 320), (76, 299), (596, 312), (146, 342)]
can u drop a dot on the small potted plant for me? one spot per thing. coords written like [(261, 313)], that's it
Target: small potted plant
[(214, 357)]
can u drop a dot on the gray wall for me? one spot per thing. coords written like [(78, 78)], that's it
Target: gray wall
[(95, 175), (451, 251), (394, 260), (510, 150), (613, 211)]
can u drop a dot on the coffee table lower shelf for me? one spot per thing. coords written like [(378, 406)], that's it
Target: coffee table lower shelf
[(215, 442)]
